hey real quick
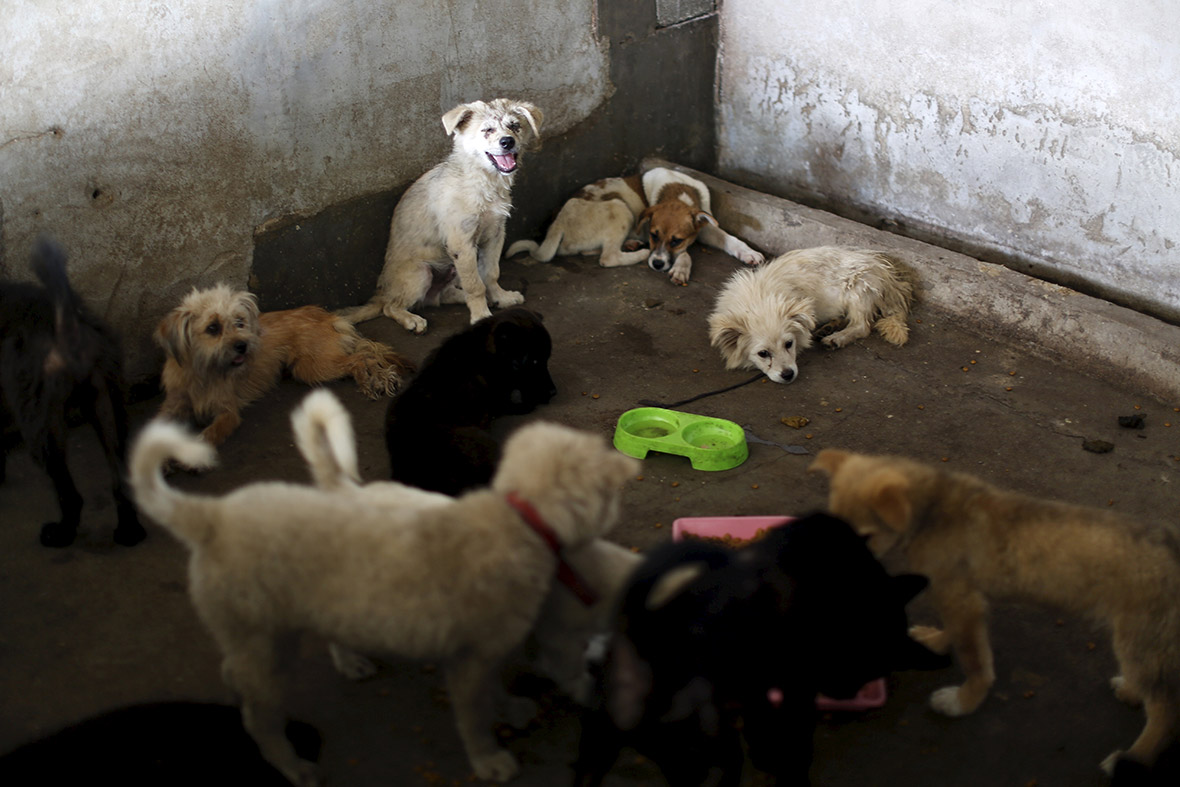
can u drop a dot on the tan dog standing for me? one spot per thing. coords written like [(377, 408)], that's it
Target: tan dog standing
[(451, 220), (223, 354), (977, 543), (607, 216), (461, 582)]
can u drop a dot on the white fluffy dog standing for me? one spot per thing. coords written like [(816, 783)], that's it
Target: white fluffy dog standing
[(461, 582), (763, 317), (566, 625), (451, 219)]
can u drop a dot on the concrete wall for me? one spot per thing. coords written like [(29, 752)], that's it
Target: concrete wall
[(159, 141), (1045, 134)]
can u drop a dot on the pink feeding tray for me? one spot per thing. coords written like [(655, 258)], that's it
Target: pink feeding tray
[(872, 694)]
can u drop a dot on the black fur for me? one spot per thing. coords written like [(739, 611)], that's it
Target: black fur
[(57, 357), (807, 609), (437, 429), (167, 744)]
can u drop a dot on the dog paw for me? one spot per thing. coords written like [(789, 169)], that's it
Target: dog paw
[(57, 535), (351, 664), (681, 270), (946, 702), (750, 257), (509, 298), (498, 767), (1124, 692), (306, 774)]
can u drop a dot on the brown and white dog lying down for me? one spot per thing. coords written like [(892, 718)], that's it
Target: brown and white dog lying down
[(978, 543), (608, 217)]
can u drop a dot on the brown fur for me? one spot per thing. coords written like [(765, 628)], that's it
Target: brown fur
[(976, 542), (223, 354)]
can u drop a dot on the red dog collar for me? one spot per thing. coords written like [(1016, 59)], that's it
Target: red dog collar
[(565, 572)]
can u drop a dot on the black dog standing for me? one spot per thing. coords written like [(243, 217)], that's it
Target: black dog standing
[(709, 636), (437, 429), (56, 356)]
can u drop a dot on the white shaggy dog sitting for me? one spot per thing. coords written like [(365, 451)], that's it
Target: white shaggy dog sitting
[(567, 623), (451, 220), (462, 582), (764, 316)]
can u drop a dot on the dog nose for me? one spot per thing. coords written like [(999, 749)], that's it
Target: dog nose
[(240, 347), (657, 263), (788, 375), (507, 143)]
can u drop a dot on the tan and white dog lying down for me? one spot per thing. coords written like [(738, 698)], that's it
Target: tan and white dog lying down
[(451, 220), (764, 317), (566, 626), (977, 543), (462, 583), (608, 216)]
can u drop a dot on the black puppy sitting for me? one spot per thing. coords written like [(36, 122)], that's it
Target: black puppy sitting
[(437, 429), (56, 356), (713, 643)]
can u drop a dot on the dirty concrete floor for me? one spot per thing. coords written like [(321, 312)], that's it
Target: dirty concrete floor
[(97, 626)]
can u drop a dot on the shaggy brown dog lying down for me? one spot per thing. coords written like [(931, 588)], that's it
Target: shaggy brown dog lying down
[(461, 582), (976, 542), (223, 354)]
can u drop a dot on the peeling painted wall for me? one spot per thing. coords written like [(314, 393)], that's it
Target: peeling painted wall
[(1044, 133), (153, 139)]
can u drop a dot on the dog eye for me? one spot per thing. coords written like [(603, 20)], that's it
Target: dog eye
[(489, 130), (213, 328), (674, 241), (655, 235), (514, 126), (239, 323), (790, 343), (764, 353)]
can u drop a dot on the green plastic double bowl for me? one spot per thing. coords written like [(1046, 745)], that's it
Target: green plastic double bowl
[(709, 443)]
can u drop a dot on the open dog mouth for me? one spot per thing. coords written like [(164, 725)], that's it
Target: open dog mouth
[(505, 162)]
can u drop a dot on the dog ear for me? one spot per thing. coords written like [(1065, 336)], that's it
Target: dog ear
[(829, 461), (672, 583), (644, 217), (460, 116), (801, 311), (726, 331), (534, 116), (887, 493), (703, 217), (173, 334)]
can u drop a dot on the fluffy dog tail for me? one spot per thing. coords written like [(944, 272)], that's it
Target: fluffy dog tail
[(323, 432), (896, 294), (376, 367), (49, 265), (362, 313), (159, 442), (543, 252)]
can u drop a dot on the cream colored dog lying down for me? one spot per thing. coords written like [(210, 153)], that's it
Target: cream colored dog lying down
[(462, 582), (566, 625)]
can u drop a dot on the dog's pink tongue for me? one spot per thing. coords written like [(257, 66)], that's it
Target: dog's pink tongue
[(507, 162)]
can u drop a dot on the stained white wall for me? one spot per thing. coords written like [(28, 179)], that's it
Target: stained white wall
[(153, 138), (1047, 130)]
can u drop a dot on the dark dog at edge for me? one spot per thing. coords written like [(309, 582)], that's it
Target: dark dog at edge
[(709, 638), (57, 356), (437, 429)]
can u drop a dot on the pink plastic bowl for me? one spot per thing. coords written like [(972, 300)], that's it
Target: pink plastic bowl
[(872, 694)]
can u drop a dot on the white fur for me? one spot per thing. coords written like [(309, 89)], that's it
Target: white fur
[(452, 219), (565, 626), (461, 581), (603, 217), (763, 317)]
